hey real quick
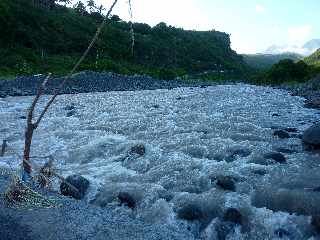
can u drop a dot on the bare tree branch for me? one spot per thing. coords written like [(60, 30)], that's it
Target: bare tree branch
[(32, 126), (3, 148)]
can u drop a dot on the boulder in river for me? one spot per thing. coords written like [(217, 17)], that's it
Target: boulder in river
[(75, 186), (278, 157), (233, 215), (126, 199), (190, 212), (138, 149), (311, 137), (315, 222), (226, 183), (281, 134)]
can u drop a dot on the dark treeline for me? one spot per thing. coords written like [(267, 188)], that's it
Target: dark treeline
[(41, 35)]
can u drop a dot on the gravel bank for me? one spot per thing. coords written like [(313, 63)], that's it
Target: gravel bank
[(88, 81)]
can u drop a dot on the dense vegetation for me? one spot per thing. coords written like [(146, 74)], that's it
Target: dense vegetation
[(40, 36), (314, 59), (265, 61), (286, 71)]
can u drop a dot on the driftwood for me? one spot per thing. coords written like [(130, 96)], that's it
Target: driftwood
[(33, 125)]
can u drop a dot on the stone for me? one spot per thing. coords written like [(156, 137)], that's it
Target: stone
[(233, 215), (190, 212), (278, 157), (315, 222), (138, 149), (260, 172), (226, 183), (69, 107), (311, 137), (317, 189), (78, 182), (281, 233), (71, 113), (281, 134), (126, 199)]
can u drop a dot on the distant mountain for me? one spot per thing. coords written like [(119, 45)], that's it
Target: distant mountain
[(264, 61), (312, 45), (305, 50), (314, 59)]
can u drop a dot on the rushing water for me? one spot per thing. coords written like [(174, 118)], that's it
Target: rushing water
[(191, 137)]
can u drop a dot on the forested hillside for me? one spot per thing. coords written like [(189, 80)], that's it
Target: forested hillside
[(314, 59), (40, 36)]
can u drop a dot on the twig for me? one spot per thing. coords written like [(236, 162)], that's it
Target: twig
[(3, 148), (131, 28)]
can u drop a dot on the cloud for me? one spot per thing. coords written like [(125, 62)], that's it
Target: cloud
[(260, 8), (300, 34)]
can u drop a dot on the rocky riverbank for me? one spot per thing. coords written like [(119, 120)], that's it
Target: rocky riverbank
[(77, 220), (309, 90), (88, 81)]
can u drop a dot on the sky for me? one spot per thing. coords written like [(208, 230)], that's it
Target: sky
[(254, 25)]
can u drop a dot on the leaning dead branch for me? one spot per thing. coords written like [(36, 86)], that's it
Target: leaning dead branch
[(3, 148), (33, 125)]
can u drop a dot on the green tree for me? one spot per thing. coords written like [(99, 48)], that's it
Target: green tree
[(80, 8), (91, 4)]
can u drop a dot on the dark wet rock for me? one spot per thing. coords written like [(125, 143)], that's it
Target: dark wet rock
[(23, 117), (190, 212), (69, 107), (313, 102), (223, 229), (138, 149), (179, 98), (260, 172), (281, 134), (126, 199), (315, 222), (282, 233), (156, 106), (311, 137), (275, 115), (291, 130), (166, 195), (71, 113), (232, 215), (78, 188), (218, 157), (286, 150), (317, 189), (278, 157), (226, 183)]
